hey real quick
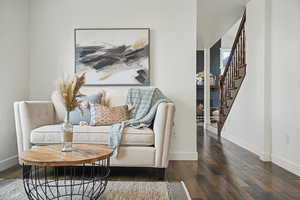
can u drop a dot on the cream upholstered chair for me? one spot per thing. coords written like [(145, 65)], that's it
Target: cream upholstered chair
[(38, 123)]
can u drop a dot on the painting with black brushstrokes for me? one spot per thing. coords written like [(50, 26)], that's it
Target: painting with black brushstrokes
[(113, 56)]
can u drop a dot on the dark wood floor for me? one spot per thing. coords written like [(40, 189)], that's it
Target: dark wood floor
[(224, 171)]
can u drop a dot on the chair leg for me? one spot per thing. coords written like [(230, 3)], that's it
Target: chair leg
[(162, 174)]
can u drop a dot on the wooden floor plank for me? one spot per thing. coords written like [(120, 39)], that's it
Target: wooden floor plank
[(224, 171)]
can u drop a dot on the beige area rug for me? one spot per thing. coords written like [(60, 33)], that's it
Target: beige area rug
[(12, 189)]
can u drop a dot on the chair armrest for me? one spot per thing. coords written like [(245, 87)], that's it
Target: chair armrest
[(163, 128), (28, 116)]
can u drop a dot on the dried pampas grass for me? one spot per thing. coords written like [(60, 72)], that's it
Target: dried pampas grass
[(105, 100), (69, 91)]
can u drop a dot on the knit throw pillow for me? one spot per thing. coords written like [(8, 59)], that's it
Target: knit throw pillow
[(104, 116), (77, 115)]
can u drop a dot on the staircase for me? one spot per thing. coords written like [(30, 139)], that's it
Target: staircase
[(233, 76)]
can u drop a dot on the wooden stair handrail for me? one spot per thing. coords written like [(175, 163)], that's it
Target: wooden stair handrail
[(241, 27)]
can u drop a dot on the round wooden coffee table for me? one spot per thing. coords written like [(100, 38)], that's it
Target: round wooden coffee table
[(49, 173)]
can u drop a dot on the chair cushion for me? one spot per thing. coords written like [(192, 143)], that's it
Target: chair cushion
[(52, 134)]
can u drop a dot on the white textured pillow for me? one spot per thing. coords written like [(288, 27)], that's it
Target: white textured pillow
[(58, 106)]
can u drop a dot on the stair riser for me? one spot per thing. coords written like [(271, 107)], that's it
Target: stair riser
[(230, 97), (237, 83), (240, 73), (230, 94)]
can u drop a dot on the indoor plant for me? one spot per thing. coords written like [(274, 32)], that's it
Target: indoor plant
[(69, 91)]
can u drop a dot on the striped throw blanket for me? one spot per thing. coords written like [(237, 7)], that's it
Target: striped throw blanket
[(145, 102)]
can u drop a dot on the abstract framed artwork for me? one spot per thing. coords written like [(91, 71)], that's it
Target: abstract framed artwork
[(113, 56)]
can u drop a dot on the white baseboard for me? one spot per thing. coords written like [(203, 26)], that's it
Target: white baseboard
[(281, 162), (8, 162), (244, 145), (286, 164), (184, 156), (265, 157)]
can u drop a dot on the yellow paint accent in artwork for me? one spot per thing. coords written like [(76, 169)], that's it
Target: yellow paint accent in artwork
[(139, 44), (105, 76)]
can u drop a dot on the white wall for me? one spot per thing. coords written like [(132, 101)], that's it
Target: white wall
[(228, 38), (245, 123), (264, 118), (285, 82), (173, 48), (215, 17), (14, 72)]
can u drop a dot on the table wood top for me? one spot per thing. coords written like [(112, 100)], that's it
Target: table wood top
[(51, 155)]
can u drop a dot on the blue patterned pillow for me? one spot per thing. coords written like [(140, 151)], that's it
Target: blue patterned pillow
[(76, 116)]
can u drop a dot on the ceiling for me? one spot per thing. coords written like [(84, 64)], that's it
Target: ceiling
[(215, 17)]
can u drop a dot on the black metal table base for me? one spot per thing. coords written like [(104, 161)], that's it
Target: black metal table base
[(68, 182)]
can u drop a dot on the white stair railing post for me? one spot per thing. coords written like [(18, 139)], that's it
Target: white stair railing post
[(206, 88)]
